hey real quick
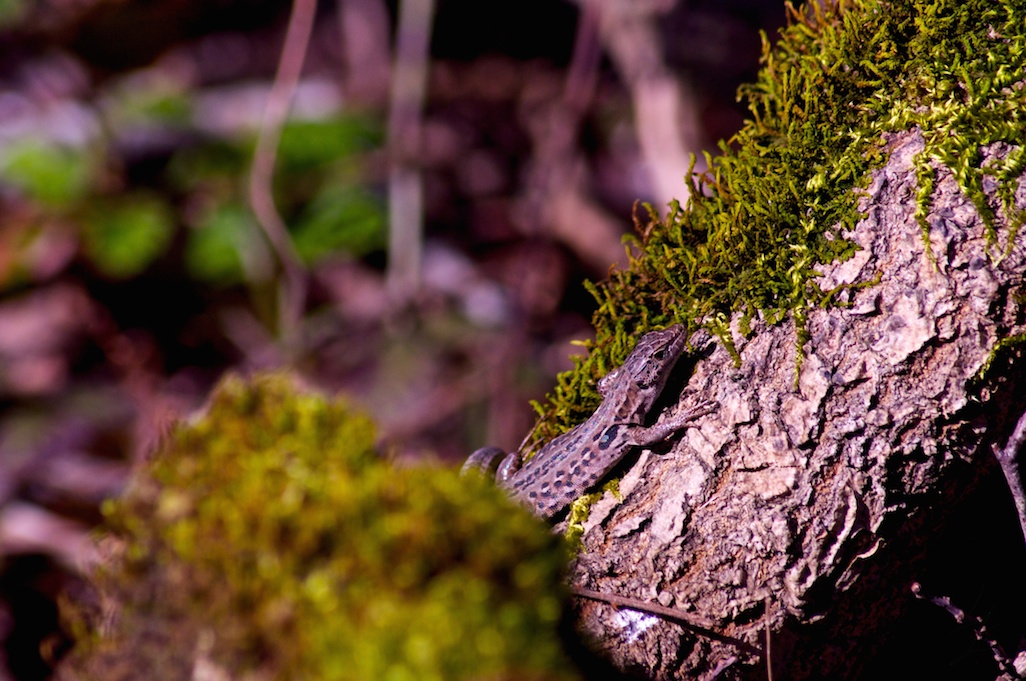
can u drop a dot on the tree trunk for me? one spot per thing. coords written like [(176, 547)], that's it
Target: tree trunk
[(808, 507)]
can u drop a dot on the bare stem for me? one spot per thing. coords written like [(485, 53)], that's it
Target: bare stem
[(261, 179), (664, 113), (692, 622), (405, 194)]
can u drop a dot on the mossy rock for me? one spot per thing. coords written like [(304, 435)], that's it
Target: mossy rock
[(268, 539), (776, 203)]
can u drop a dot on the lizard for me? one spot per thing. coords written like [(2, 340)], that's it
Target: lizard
[(572, 463)]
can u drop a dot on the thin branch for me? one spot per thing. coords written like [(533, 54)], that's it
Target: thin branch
[(1008, 460), (405, 193), (261, 178), (556, 196), (556, 144), (696, 624), (364, 30), (975, 623), (664, 115)]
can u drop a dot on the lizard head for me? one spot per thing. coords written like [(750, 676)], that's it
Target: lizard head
[(653, 358)]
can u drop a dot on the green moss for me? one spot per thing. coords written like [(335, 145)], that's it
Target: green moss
[(777, 200), (1005, 352), (270, 534), (578, 514)]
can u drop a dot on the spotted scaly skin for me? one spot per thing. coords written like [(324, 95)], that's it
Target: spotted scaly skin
[(572, 463)]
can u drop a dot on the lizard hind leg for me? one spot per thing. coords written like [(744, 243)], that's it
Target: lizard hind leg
[(484, 462)]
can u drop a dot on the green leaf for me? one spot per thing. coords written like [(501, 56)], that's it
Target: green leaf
[(214, 164), (310, 144), (217, 248), (51, 174), (340, 219), (123, 238), (149, 101)]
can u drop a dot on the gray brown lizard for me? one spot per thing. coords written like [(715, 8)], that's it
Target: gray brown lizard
[(572, 463)]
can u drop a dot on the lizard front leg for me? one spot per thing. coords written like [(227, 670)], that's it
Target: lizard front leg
[(643, 436)]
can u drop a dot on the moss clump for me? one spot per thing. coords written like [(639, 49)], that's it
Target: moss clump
[(268, 539), (776, 202)]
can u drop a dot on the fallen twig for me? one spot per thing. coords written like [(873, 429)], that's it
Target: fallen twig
[(694, 623), (975, 623)]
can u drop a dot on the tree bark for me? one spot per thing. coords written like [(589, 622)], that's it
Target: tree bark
[(805, 507)]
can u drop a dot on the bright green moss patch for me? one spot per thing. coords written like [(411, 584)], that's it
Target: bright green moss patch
[(776, 202), (1005, 352), (270, 540)]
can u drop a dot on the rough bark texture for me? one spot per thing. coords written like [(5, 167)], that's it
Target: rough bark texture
[(803, 508)]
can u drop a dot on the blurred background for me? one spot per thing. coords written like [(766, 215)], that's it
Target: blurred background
[(414, 234)]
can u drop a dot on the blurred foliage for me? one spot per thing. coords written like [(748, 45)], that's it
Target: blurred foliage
[(321, 187), (224, 240), (316, 145), (216, 167), (340, 218), (11, 11), (269, 539), (51, 174), (160, 102), (335, 214), (122, 237)]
